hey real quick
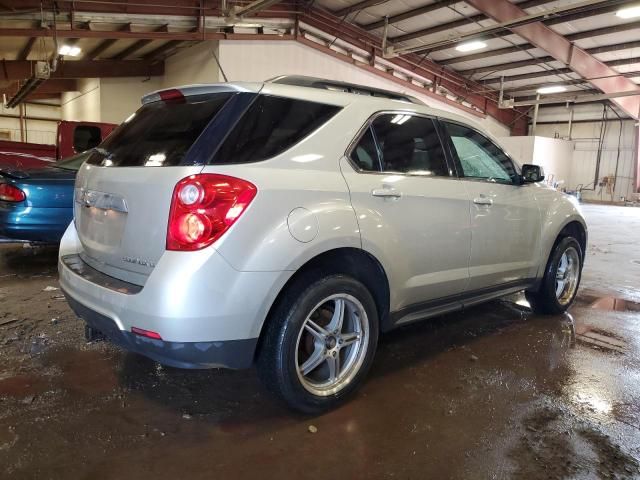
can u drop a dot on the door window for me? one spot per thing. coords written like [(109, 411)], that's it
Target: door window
[(407, 144), (479, 156)]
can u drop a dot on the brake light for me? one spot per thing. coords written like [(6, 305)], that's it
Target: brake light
[(203, 208), (172, 94), (9, 193)]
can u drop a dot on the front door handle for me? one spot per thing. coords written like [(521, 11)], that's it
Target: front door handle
[(386, 192), (483, 200)]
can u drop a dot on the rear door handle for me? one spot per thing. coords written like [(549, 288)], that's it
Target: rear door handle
[(483, 200), (386, 192)]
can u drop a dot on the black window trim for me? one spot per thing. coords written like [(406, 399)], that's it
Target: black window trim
[(367, 125), (451, 151)]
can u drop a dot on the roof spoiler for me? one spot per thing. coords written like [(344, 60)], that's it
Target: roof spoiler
[(13, 173), (187, 90)]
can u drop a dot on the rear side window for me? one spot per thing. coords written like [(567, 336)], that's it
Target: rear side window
[(160, 133), (407, 144), (270, 126), (86, 137)]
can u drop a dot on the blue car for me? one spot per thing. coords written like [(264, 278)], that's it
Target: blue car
[(37, 205)]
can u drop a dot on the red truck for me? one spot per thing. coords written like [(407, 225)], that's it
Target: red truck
[(72, 138)]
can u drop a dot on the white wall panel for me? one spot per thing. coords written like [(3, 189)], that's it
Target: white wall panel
[(618, 148)]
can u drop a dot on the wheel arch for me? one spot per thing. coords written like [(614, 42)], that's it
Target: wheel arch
[(351, 261)]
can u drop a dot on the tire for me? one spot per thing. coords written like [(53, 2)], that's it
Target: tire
[(292, 339), (555, 297)]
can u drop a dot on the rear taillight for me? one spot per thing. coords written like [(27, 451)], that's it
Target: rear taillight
[(203, 208), (9, 193)]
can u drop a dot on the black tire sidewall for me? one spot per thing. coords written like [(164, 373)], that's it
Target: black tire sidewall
[(296, 314), (548, 290)]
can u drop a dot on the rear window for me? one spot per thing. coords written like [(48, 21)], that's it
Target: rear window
[(160, 133), (270, 126)]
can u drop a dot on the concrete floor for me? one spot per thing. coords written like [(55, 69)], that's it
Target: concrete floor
[(494, 392)]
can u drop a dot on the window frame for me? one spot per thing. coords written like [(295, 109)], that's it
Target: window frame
[(368, 125), (453, 153)]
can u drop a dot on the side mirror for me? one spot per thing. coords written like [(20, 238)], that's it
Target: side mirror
[(532, 173)]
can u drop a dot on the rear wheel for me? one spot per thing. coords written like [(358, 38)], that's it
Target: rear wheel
[(319, 342), (561, 279)]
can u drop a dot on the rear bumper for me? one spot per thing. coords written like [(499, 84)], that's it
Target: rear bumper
[(34, 224), (207, 313), (228, 354)]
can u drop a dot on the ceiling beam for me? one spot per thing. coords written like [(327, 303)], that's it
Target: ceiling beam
[(482, 98), (161, 50), (555, 20), (445, 26), (563, 71), (578, 60), (254, 7), (139, 7), (357, 7), (596, 32), (103, 46), (131, 49), (534, 86), (26, 50), (432, 7), (21, 69), (182, 36), (535, 61)]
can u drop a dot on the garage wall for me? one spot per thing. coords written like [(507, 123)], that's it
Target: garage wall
[(554, 155), (120, 97), (619, 148), (84, 104), (259, 60), (192, 65), (36, 131)]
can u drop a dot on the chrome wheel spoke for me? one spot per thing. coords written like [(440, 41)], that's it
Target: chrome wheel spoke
[(567, 275), (335, 325), (334, 366), (316, 330), (323, 365), (349, 338), (316, 358)]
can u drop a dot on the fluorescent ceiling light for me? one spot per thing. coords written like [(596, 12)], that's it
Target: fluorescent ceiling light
[(69, 50), (552, 89), (630, 12), (471, 46)]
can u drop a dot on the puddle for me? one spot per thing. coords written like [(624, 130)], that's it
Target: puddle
[(613, 304)]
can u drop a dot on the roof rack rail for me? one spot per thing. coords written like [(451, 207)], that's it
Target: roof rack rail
[(334, 85)]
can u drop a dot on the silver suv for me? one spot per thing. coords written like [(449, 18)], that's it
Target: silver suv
[(289, 223)]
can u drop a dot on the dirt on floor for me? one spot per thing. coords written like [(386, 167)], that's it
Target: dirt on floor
[(493, 392)]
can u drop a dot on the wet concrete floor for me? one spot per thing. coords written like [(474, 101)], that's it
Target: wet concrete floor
[(494, 392)]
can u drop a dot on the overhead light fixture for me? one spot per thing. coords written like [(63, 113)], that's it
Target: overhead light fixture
[(552, 89), (471, 46), (630, 12), (69, 50)]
